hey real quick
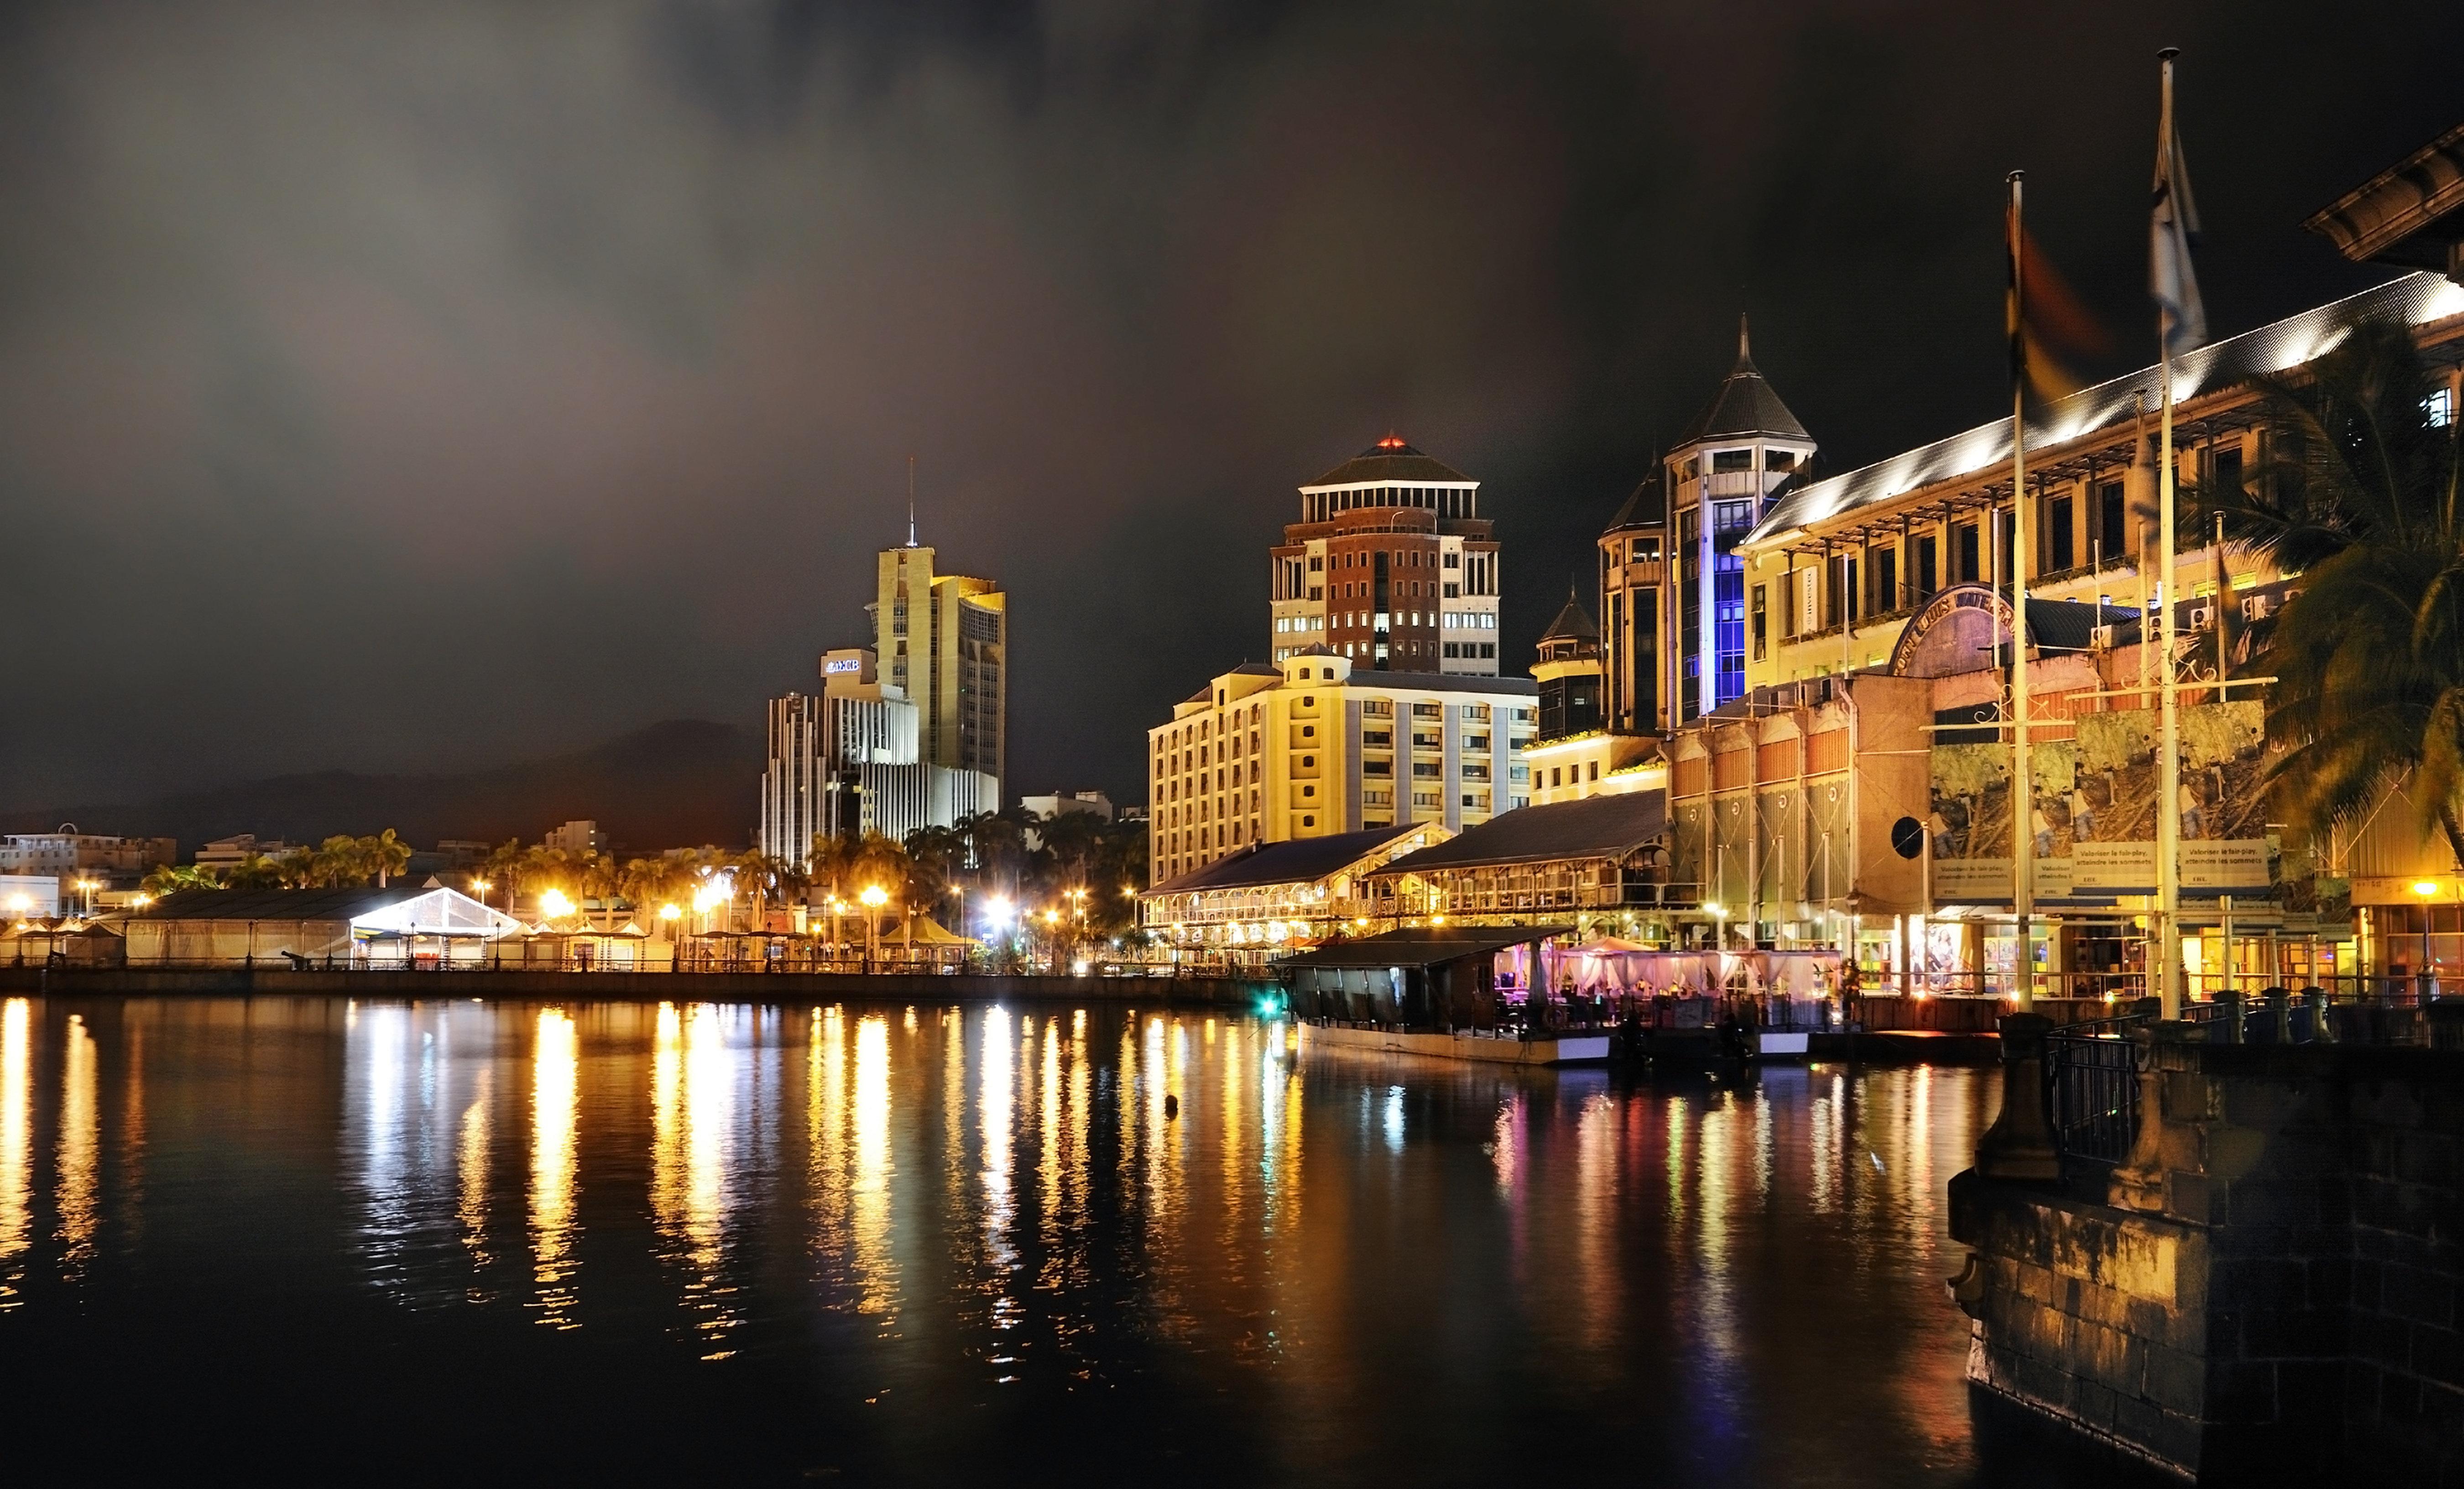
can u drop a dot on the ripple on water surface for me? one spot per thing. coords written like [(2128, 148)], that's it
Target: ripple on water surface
[(895, 1243)]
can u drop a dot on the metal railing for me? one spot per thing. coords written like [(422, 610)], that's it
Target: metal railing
[(2091, 1088)]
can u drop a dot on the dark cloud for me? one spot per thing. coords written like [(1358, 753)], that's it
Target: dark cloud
[(415, 387)]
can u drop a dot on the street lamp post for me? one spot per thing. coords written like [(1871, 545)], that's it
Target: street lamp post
[(2426, 890), (874, 897)]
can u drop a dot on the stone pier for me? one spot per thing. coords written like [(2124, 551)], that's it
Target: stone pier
[(2269, 1287)]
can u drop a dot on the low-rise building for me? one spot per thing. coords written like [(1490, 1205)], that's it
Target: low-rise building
[(69, 856), (578, 837), (1601, 863), (1311, 747), (1056, 803), (1271, 898), (274, 928), (224, 854)]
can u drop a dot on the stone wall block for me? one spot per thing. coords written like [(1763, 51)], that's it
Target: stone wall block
[(2241, 1392), (2175, 1379), (2190, 1097), (2195, 1197), (2382, 1339), (2294, 1333), (2426, 1158), (2418, 1295), (2275, 1106), (2276, 1206), (2438, 1355), (2388, 1104)]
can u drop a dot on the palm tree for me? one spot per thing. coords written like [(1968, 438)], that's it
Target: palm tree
[(2359, 496), (387, 854), (503, 865), (257, 871), (171, 878), (648, 881)]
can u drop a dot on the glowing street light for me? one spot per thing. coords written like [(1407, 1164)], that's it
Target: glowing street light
[(874, 897), (554, 906), (483, 886)]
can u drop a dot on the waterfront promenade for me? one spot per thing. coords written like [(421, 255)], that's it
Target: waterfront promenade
[(719, 987)]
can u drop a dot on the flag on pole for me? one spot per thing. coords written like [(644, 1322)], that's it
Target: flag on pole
[(2173, 232), (2048, 324)]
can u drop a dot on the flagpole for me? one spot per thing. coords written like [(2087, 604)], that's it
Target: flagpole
[(2023, 785), (2168, 753)]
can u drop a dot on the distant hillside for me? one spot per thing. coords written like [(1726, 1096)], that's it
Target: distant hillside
[(681, 782)]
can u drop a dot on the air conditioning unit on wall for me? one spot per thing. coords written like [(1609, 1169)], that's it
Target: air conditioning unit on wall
[(2203, 618)]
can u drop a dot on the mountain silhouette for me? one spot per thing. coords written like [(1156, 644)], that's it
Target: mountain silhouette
[(674, 784)]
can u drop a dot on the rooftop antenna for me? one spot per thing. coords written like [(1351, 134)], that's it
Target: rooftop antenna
[(910, 501)]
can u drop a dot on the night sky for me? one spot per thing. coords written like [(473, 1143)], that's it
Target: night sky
[(419, 387)]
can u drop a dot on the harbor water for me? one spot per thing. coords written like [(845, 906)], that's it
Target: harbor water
[(336, 1241)]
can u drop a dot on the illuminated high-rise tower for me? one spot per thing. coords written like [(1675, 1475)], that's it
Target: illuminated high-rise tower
[(943, 640), (1391, 566)]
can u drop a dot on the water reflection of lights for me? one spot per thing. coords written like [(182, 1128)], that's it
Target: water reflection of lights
[(1595, 1207), (993, 1097), (876, 1262), (80, 1138), (16, 1144), (472, 1159), (826, 1130), (692, 1102), (556, 1079)]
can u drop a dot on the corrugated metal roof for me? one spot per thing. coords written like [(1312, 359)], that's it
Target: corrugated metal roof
[(1300, 861), (1419, 946), (1603, 826), (276, 904), (2417, 298)]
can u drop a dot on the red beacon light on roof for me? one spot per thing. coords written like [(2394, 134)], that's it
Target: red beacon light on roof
[(1390, 442)]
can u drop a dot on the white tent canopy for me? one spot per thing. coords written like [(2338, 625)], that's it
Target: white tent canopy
[(439, 912)]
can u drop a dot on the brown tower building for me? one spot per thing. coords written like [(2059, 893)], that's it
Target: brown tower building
[(1391, 566)]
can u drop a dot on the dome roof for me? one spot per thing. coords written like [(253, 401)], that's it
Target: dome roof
[(1745, 404), (1391, 461)]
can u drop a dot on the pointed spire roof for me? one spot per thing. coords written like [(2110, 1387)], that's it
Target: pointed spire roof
[(1572, 623), (1745, 404), (1643, 508)]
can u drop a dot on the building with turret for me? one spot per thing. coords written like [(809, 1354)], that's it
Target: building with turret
[(1680, 623), (1576, 752), (1391, 567)]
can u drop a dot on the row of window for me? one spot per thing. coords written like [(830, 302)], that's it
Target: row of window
[(1446, 501)]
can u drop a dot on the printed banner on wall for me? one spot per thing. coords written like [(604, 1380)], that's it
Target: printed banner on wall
[(2096, 810)]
